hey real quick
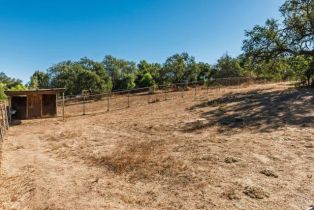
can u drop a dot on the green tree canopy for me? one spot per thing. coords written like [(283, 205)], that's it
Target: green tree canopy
[(78, 76), (121, 72), (293, 37), (178, 68), (204, 71), (8, 83), (147, 74), (227, 67), (39, 80)]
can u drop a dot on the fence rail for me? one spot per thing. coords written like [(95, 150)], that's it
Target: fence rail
[(74, 105)]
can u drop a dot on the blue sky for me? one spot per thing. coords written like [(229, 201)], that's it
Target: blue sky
[(36, 34)]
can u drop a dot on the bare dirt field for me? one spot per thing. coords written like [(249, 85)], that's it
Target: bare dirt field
[(245, 148)]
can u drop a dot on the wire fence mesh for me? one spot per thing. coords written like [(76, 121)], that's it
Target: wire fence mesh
[(75, 105)]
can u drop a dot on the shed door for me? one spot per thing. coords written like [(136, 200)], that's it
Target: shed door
[(34, 106), (19, 104), (49, 105)]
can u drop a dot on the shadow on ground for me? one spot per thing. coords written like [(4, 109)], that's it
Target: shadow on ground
[(262, 110)]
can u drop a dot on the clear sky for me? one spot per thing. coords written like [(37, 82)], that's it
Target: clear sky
[(36, 34)]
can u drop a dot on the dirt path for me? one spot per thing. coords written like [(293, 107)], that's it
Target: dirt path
[(251, 150), (38, 180)]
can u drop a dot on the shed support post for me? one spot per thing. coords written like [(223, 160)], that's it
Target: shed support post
[(9, 111)]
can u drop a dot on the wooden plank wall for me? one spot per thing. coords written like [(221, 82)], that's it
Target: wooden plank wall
[(34, 106)]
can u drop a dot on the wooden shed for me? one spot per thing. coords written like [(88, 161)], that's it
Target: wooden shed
[(31, 104)]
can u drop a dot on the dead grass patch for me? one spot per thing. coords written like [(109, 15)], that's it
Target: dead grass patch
[(142, 161)]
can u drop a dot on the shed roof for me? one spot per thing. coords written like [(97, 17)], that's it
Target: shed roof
[(34, 92)]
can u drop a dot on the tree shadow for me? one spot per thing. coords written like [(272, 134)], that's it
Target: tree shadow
[(261, 110)]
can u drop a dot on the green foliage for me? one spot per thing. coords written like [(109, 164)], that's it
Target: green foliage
[(276, 45), (147, 80), (7, 83), (78, 76), (178, 68), (204, 71), (18, 87), (121, 72), (39, 80), (227, 67), (2, 89), (147, 74)]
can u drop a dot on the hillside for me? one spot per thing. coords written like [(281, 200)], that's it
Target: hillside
[(247, 148)]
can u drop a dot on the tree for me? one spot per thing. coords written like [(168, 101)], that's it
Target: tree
[(122, 72), (78, 76), (98, 69), (65, 74), (88, 80), (8, 83), (293, 37), (227, 67), (147, 80), (147, 74), (205, 71), (39, 80), (178, 68)]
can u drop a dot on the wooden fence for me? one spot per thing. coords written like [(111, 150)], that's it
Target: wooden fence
[(4, 120), (4, 124)]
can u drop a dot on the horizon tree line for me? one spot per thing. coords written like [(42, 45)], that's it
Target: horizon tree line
[(276, 51)]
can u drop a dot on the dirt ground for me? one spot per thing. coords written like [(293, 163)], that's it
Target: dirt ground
[(246, 148)]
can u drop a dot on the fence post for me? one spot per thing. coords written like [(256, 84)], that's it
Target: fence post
[(84, 104), (3, 119), (108, 102), (207, 86), (128, 98), (1, 134), (165, 93), (182, 92), (6, 116), (194, 90), (148, 95), (63, 105)]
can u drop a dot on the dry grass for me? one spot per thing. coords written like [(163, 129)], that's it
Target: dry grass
[(247, 148)]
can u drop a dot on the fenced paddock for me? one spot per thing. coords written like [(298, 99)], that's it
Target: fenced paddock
[(75, 105)]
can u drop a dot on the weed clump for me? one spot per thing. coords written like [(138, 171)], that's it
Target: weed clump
[(255, 192), (269, 173), (231, 160)]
